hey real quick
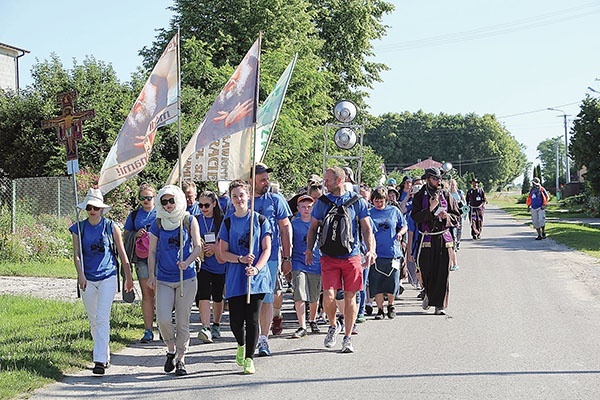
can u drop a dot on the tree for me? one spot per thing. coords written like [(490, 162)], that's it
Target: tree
[(482, 145), (547, 156), (585, 142)]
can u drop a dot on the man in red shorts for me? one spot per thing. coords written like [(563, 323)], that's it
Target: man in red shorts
[(341, 271)]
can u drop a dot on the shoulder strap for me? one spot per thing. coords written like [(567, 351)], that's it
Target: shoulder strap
[(158, 223), (134, 214), (227, 222), (352, 200)]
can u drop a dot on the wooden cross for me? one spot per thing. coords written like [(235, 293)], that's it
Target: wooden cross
[(69, 126)]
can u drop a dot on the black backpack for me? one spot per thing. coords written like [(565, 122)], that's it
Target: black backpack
[(336, 229)]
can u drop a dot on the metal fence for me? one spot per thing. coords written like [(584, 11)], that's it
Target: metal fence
[(52, 196)]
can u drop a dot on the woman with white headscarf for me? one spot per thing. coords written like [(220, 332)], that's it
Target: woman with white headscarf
[(165, 262), (97, 271)]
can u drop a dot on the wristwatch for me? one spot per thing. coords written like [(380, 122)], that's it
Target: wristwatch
[(287, 258)]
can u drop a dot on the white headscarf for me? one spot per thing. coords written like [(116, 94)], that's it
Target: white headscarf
[(173, 219)]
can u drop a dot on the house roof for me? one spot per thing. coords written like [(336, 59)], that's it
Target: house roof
[(428, 163), (8, 46)]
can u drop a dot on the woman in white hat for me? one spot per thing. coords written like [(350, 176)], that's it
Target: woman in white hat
[(97, 275), (164, 265)]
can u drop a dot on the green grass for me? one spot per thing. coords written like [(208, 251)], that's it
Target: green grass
[(63, 268), (40, 340), (577, 236)]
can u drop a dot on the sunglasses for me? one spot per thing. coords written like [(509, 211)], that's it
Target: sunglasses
[(147, 198), (164, 202), (204, 205), (89, 207), (435, 178)]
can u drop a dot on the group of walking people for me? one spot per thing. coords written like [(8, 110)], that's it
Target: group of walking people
[(194, 249)]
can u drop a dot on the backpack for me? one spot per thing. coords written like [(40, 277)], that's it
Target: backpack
[(227, 221), (336, 229), (186, 223)]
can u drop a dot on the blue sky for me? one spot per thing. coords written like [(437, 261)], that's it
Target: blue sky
[(503, 57)]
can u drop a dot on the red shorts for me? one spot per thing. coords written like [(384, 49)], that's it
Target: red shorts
[(342, 273)]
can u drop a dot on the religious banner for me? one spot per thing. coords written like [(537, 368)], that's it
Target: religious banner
[(207, 155), (269, 110), (155, 107), (69, 126)]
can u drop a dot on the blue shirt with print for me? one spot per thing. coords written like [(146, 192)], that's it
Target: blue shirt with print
[(98, 260), (299, 232), (387, 221), (167, 253), (209, 264), (143, 219)]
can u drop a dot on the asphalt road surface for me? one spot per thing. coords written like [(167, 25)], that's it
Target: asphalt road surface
[(523, 323)]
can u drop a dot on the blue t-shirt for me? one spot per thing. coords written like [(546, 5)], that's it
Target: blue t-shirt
[(387, 222), (98, 260), (143, 219), (299, 232), (358, 209), (275, 207), (194, 209), (238, 238), (537, 201), (210, 264), (167, 253)]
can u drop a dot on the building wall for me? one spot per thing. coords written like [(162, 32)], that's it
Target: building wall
[(8, 69)]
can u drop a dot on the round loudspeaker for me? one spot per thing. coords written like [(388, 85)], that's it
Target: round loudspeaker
[(345, 138), (344, 111)]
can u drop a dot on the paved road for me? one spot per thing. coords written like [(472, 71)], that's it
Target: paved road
[(523, 323)]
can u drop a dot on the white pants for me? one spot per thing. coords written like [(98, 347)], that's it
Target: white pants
[(538, 217), (168, 294), (97, 299)]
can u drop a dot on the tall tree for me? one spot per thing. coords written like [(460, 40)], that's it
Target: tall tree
[(547, 151), (585, 142)]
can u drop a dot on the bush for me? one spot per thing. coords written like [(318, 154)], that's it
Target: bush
[(594, 205), (522, 199)]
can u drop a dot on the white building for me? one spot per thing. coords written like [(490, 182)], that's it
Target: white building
[(9, 66)]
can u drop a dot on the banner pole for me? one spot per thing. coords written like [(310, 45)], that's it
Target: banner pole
[(179, 152)]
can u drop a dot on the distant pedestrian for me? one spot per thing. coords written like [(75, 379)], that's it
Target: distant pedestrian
[(536, 204), (97, 272), (476, 200), (435, 213)]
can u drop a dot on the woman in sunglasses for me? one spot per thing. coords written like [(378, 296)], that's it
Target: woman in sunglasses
[(136, 230), (165, 261), (97, 271), (211, 275)]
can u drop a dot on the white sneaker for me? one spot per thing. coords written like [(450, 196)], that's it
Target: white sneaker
[(205, 335), (347, 345), (425, 303)]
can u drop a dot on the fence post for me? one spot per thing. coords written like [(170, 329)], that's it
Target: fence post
[(14, 207), (58, 198)]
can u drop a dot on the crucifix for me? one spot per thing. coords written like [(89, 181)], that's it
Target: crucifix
[(69, 127)]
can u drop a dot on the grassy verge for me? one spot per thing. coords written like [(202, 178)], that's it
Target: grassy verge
[(63, 268), (576, 236), (38, 347)]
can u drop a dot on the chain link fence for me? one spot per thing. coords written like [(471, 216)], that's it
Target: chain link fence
[(25, 200)]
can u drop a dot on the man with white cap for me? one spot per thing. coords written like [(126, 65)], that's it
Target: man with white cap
[(536, 204)]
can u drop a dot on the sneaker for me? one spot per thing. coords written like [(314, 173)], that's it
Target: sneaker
[(148, 336), (180, 369), (454, 268), (368, 309), (249, 366), (354, 329), (380, 314), (99, 368), (321, 320), (440, 311), (205, 335), (391, 312), (347, 345), (425, 303), (421, 294), (538, 238), (169, 363), (330, 339), (314, 327), (277, 326), (300, 333), (360, 318), (263, 347), (215, 331), (239, 355)]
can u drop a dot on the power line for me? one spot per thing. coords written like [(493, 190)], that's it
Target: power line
[(494, 30), (535, 111)]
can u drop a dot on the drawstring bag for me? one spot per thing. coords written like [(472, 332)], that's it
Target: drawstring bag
[(142, 245)]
